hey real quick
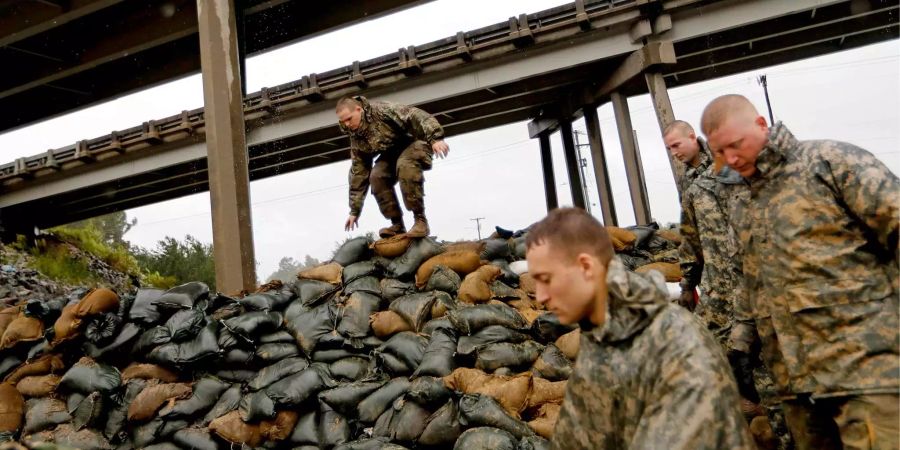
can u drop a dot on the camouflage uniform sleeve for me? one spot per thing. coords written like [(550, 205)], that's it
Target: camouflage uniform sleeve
[(690, 255), (421, 125), (360, 167)]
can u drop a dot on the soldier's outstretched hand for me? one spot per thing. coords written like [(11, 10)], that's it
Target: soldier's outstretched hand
[(441, 149), (352, 223)]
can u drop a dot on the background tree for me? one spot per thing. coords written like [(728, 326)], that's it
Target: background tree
[(111, 227), (185, 261), (288, 268)]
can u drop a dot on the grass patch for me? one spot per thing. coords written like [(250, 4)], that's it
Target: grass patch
[(89, 240), (154, 279), (56, 263)]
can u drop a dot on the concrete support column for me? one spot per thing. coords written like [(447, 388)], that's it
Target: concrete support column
[(547, 166), (229, 185), (573, 164), (601, 173), (636, 185), (665, 115)]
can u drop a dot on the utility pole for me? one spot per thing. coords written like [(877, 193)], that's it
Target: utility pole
[(582, 163), (765, 85), (477, 221)]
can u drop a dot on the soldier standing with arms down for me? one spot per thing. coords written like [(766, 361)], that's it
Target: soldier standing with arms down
[(404, 138), (820, 241)]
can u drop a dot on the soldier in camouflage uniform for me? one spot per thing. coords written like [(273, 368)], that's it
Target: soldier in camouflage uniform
[(404, 138), (648, 376), (820, 241)]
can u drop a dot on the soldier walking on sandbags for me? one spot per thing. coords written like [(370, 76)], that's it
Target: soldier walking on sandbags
[(819, 236), (404, 138)]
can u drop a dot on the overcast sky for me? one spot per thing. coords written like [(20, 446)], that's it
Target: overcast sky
[(493, 174)]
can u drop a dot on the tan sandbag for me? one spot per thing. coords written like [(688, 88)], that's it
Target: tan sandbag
[(67, 325), (476, 287), (279, 428), (621, 238), (530, 314), (38, 386), (762, 433), (388, 323), (569, 343), (527, 284), (231, 428), (670, 235), (545, 391), (153, 396), (671, 271), (462, 262), (329, 273), (41, 366), (7, 315), (148, 372), (466, 246), (510, 391), (97, 301), (12, 408), (391, 247), (22, 329), (546, 419)]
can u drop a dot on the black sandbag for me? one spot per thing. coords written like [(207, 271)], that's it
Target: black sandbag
[(434, 324), (381, 400), (495, 249), (392, 288), (184, 296), (118, 414), (350, 369), (128, 334), (444, 279), (203, 346), (88, 412), (331, 355), (46, 310), (88, 376), (469, 320), (359, 270), (9, 364), (437, 361), (501, 290), (491, 357), (334, 339), (429, 392), (643, 233), (370, 285), (409, 422), (382, 427), (414, 308), (277, 371), (309, 326), (226, 311), (546, 327), (269, 353), (355, 315), (44, 413), (196, 439), (146, 434), (185, 324), (481, 410), (236, 375), (370, 444), (170, 427), (237, 357), (633, 261), (658, 244), (229, 401), (256, 406), (406, 265), (228, 340), (39, 348), (442, 428), (506, 274), (334, 429), (311, 292), (294, 389), (102, 328), (552, 364), (503, 233), (443, 303), (392, 364), (489, 335), (260, 301), (306, 432), (143, 309), (278, 336), (159, 446), (345, 399), (518, 247), (353, 250), (255, 323), (205, 394), (534, 443), (407, 346), (150, 339)]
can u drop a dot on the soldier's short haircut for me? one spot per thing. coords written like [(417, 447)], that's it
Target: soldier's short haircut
[(685, 128), (347, 102), (572, 231), (724, 107)]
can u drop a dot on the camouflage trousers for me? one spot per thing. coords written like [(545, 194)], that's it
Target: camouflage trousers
[(858, 422), (406, 166), (716, 315), (762, 380)]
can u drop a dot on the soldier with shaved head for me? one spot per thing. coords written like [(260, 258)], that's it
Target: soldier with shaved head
[(685, 146), (820, 240)]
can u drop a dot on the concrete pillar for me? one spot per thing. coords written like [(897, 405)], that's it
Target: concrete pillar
[(659, 96), (636, 185), (601, 173), (573, 164), (547, 166), (229, 184)]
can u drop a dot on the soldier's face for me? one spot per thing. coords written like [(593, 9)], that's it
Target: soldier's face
[(350, 117), (569, 287), (738, 141), (683, 147)]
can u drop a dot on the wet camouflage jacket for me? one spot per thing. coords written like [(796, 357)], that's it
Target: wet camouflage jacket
[(820, 237), (384, 127), (650, 378), (691, 173)]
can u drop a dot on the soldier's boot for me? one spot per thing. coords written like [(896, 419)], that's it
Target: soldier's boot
[(420, 228), (396, 228)]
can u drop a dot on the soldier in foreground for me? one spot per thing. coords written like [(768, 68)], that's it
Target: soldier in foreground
[(404, 138), (820, 242), (647, 375)]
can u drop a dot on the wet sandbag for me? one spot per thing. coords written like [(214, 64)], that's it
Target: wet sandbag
[(294, 389), (671, 271), (148, 372), (143, 309), (534, 443), (443, 303), (568, 343), (329, 273), (502, 291), (231, 428), (485, 438), (237, 357), (376, 403), (260, 301), (507, 274), (369, 285), (65, 435), (472, 319), (434, 324), (414, 308), (12, 408), (67, 326), (204, 395), (546, 419), (7, 315), (280, 428), (382, 427), (552, 364), (393, 289), (9, 364), (359, 270), (269, 353), (44, 365), (101, 328), (38, 386), (355, 314), (345, 399), (495, 249), (336, 354), (511, 392), (350, 369), (163, 446), (277, 336), (277, 371), (548, 329), (370, 444), (476, 287), (334, 429), (621, 238), (256, 406), (489, 335), (388, 323), (44, 413), (443, 279), (311, 325), (407, 346), (409, 422), (236, 375), (352, 250), (97, 301), (437, 361), (151, 339), (429, 392), (504, 354), (462, 262), (22, 329), (185, 324), (195, 439), (311, 292), (118, 413), (481, 410), (153, 396), (306, 431), (392, 364), (119, 345), (147, 433), (184, 296), (405, 266), (255, 323), (88, 412), (229, 401), (442, 428), (643, 234), (545, 391), (391, 247), (201, 347), (87, 376)]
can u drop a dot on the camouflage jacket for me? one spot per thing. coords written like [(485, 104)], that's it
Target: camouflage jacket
[(692, 173), (384, 127), (820, 242), (650, 378)]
